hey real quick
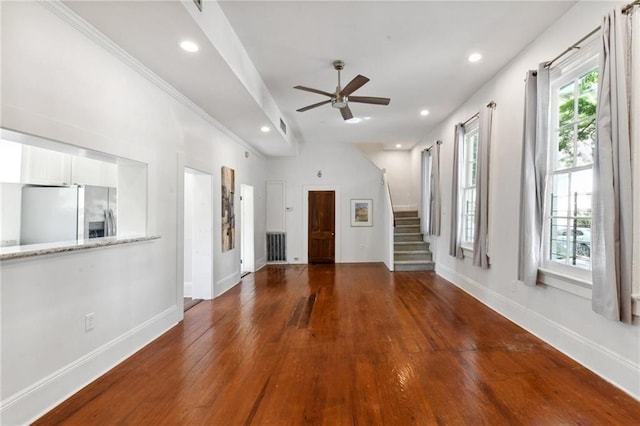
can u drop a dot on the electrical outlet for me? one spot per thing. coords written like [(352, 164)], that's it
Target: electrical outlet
[(88, 321)]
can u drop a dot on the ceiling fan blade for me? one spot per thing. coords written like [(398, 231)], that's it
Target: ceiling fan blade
[(357, 82), (313, 106), (309, 89), (369, 100), (346, 113)]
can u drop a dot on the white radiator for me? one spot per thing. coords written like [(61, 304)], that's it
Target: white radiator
[(276, 247)]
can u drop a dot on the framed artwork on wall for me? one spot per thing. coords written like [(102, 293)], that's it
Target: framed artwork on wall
[(362, 212), (228, 211)]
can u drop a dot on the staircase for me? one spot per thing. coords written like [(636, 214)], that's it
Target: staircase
[(411, 253)]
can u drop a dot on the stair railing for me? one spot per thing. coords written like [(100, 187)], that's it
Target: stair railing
[(389, 223)]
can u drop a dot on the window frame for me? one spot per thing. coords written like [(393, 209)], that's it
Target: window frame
[(581, 64)]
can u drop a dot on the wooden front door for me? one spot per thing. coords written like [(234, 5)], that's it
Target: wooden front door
[(322, 227)]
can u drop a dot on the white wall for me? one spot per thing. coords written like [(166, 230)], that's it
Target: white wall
[(345, 170), (398, 175), (563, 319), (58, 83)]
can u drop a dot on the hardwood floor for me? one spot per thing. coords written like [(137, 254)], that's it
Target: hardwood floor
[(346, 345)]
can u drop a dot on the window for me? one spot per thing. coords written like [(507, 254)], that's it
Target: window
[(570, 181), (468, 181)]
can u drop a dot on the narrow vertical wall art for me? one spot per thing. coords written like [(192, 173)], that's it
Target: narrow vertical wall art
[(228, 212)]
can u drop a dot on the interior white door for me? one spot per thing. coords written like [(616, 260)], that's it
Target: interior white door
[(247, 255)]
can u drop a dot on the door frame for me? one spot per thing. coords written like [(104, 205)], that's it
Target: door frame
[(305, 220)]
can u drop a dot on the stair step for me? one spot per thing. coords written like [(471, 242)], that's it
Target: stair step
[(412, 255), (399, 232), (399, 238), (413, 265), (407, 229), (413, 213), (403, 221), (410, 246)]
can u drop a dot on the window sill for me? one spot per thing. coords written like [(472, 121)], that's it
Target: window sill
[(565, 283)]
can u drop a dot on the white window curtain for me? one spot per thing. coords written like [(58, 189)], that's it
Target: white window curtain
[(455, 239), (612, 231), (434, 217), (426, 192), (534, 172), (430, 223), (481, 231)]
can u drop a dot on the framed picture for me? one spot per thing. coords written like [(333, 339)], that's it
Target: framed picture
[(228, 211), (362, 212)]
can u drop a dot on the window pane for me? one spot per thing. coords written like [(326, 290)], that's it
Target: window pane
[(560, 195), (470, 202), (566, 108), (586, 142), (581, 188), (564, 150), (471, 174), (587, 106), (469, 214), (474, 146), (588, 83), (558, 247)]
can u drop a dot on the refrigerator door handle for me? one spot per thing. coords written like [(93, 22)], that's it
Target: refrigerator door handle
[(114, 231), (111, 231), (109, 223)]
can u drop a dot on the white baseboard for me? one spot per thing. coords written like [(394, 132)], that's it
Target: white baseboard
[(33, 402), (225, 284), (621, 372), (260, 263)]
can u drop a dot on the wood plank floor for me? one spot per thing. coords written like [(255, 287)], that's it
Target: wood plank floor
[(346, 345)]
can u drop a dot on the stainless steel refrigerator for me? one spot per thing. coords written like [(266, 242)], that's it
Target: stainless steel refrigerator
[(55, 213)]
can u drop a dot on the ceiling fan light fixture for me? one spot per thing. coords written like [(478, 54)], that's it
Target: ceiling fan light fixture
[(339, 103)]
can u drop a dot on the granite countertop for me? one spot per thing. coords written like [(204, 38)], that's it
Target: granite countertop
[(19, 252)]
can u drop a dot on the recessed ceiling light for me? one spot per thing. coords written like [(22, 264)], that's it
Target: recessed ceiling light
[(354, 120), (475, 57), (265, 129), (189, 46), (398, 145), (367, 118), (424, 112)]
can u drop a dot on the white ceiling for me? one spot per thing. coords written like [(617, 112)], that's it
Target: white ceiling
[(414, 52)]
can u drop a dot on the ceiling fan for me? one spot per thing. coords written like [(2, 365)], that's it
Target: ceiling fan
[(342, 96)]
